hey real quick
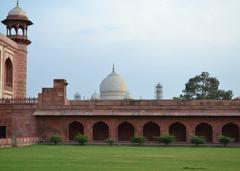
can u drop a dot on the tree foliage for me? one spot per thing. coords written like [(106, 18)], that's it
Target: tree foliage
[(138, 140), (198, 140), (225, 140), (110, 141), (81, 139), (204, 87), (55, 139), (166, 139)]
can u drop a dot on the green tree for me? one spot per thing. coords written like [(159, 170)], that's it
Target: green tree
[(55, 139), (81, 139), (204, 87), (166, 139), (138, 140), (110, 141), (198, 140), (225, 140)]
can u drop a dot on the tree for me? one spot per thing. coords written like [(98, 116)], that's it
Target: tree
[(198, 140), (225, 140), (138, 140), (204, 87), (55, 139), (81, 139), (166, 139), (110, 141)]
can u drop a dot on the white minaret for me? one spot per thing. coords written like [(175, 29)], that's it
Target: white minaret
[(158, 91)]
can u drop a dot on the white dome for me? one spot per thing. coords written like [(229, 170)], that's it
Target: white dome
[(95, 96), (113, 87), (17, 11)]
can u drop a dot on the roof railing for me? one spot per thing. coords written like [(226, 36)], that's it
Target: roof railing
[(28, 100)]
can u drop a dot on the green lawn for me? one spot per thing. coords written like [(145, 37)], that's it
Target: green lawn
[(104, 158)]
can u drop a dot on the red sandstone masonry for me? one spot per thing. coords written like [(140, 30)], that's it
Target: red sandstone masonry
[(20, 73), (53, 114)]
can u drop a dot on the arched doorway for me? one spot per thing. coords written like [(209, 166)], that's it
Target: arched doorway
[(8, 74), (75, 128), (231, 130), (179, 131), (204, 130), (3, 131), (100, 131), (151, 130), (125, 131)]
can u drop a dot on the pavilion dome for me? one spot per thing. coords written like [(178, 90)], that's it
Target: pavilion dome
[(17, 12), (113, 87)]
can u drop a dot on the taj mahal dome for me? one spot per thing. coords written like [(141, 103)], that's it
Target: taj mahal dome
[(113, 87)]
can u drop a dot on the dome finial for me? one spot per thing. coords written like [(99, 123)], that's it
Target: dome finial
[(113, 68), (17, 3)]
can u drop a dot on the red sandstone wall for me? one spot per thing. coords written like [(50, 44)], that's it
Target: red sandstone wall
[(50, 125), (20, 74), (19, 122)]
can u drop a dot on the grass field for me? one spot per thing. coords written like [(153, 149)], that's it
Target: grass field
[(104, 158)]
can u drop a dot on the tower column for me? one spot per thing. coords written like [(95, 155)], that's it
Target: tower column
[(18, 19)]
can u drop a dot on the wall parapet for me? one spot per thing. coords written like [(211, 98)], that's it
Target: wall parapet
[(28, 100), (19, 142)]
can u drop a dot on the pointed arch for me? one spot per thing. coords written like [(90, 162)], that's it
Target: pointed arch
[(21, 30), (204, 130), (100, 131), (179, 131), (8, 81), (14, 30), (151, 130), (125, 131), (3, 131), (231, 130), (74, 129)]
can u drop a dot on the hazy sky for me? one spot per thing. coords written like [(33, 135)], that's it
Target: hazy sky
[(149, 41)]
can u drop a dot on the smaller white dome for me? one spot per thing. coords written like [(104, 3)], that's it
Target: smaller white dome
[(128, 96), (17, 11), (95, 96), (77, 96)]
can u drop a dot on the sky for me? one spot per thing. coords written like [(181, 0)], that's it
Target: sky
[(149, 41)]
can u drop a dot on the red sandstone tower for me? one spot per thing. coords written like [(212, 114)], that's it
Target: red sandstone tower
[(15, 66)]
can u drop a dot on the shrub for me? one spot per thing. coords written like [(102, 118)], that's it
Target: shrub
[(225, 140), (81, 139), (110, 141), (55, 139), (138, 140), (198, 140), (166, 139)]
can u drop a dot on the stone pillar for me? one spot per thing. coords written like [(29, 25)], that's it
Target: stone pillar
[(138, 129), (88, 131), (164, 129), (216, 132), (113, 131), (190, 131)]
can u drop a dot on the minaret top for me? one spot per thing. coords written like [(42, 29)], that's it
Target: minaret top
[(17, 23), (113, 69)]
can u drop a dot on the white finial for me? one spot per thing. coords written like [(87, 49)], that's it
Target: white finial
[(113, 68), (17, 3)]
